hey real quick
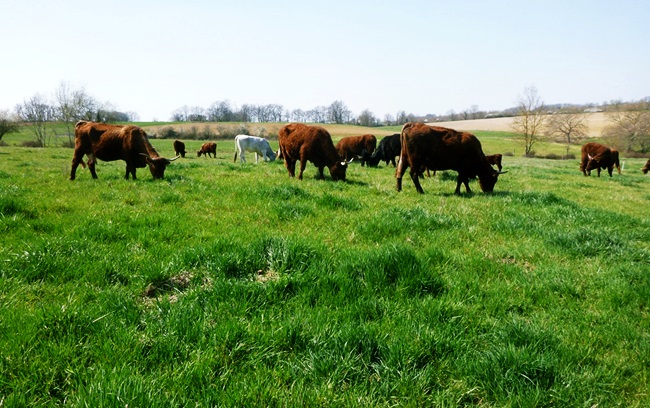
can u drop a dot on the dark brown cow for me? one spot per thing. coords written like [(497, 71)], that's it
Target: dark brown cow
[(596, 156), (352, 147), (495, 160), (179, 148), (207, 149), (116, 142), (302, 142), (646, 168), (437, 148)]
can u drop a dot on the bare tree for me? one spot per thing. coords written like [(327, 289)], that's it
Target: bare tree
[(72, 105), (318, 114), (8, 123), (630, 126), (37, 113), (529, 121), (366, 118), (570, 125), (338, 112)]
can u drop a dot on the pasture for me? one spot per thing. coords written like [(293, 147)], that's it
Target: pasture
[(229, 284)]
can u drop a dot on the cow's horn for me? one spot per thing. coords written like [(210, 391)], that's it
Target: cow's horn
[(171, 160), (589, 157), (145, 155), (502, 172)]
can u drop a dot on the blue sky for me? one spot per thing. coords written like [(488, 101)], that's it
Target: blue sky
[(152, 57)]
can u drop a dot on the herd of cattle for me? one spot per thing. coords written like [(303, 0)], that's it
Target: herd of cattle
[(419, 146)]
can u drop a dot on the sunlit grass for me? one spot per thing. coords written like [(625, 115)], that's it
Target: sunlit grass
[(229, 284)]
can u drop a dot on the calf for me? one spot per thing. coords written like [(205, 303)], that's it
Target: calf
[(257, 145), (310, 143), (179, 148), (495, 160), (207, 149)]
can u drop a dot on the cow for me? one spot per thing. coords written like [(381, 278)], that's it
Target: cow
[(257, 145), (437, 148), (310, 143), (207, 149), (179, 148), (389, 147), (646, 168), (116, 142), (352, 147), (596, 156), (495, 160)]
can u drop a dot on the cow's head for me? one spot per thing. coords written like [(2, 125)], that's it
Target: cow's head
[(157, 165), (338, 170), (592, 163), (487, 182)]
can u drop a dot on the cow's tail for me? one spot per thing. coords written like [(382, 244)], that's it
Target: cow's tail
[(235, 158), (402, 151), (617, 163)]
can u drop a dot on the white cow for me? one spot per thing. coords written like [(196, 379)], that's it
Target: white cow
[(257, 145)]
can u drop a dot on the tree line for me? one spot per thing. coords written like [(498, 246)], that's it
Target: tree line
[(336, 112), (533, 121)]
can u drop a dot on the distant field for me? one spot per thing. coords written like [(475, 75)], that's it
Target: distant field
[(595, 121)]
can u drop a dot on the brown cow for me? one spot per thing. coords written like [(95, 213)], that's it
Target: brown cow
[(179, 148), (116, 142), (352, 147), (596, 156), (302, 142), (495, 160), (437, 148), (646, 168), (207, 149)]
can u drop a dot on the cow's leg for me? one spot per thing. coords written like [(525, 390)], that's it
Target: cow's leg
[(321, 174), (415, 176), (462, 180), (303, 164), (130, 169), (290, 164), (598, 169), (76, 160), (92, 160), (609, 169), (399, 173), (256, 158)]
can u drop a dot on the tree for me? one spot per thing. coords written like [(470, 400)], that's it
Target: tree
[(569, 125), (8, 124), (529, 121), (72, 105), (37, 113), (366, 118), (338, 112), (630, 126)]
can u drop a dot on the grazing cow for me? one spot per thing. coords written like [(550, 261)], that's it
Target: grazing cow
[(437, 148), (313, 143), (179, 148), (388, 148), (495, 160), (116, 142), (257, 145), (596, 156), (352, 147), (207, 148), (646, 168)]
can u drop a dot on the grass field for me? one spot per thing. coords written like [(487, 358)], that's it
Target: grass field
[(230, 284)]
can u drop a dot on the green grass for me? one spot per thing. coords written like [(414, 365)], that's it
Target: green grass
[(233, 285)]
